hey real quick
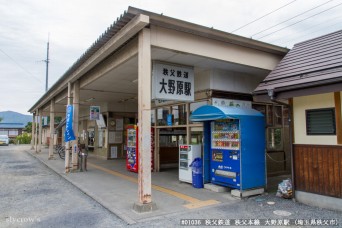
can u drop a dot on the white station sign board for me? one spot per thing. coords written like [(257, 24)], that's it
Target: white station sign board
[(172, 82)]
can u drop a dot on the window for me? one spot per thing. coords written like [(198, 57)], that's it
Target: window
[(162, 116), (13, 132), (3, 132), (275, 139), (179, 114), (320, 121)]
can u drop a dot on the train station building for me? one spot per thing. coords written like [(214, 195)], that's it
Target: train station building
[(153, 71)]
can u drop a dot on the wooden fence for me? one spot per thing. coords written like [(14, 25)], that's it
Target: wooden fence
[(318, 169)]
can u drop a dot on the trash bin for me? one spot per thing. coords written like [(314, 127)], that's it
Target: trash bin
[(83, 161), (82, 158), (197, 177)]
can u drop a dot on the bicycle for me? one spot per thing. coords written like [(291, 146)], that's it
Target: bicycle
[(60, 150)]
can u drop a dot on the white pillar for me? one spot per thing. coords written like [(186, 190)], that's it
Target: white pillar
[(33, 134), (52, 127), (76, 100), (40, 133), (36, 133), (67, 144), (144, 122)]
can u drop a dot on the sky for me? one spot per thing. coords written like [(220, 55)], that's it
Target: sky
[(72, 26)]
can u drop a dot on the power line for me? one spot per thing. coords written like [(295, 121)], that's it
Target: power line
[(291, 18), (313, 34), (301, 20), (262, 16), (305, 34), (20, 65)]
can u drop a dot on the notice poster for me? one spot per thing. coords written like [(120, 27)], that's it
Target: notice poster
[(94, 113), (114, 152), (119, 124), (115, 137)]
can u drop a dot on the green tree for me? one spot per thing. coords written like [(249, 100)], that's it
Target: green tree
[(0, 119), (28, 127), (24, 138)]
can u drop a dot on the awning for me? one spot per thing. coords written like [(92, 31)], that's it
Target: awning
[(209, 112)]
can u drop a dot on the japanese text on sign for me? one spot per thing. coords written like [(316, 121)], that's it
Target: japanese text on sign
[(172, 82), (69, 133), (259, 222)]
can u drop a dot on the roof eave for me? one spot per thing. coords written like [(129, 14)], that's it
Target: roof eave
[(323, 86), (87, 61), (176, 24)]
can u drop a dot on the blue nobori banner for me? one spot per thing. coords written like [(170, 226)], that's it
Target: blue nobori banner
[(69, 133)]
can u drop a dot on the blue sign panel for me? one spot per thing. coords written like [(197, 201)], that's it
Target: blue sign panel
[(169, 120), (69, 133)]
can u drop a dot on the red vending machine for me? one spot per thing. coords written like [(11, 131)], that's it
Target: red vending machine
[(132, 158)]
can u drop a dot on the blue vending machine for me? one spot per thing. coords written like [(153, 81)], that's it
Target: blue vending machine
[(237, 146)]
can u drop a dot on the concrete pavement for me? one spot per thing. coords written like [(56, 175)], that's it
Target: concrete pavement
[(112, 186)]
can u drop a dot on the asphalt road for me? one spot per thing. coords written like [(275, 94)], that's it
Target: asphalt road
[(34, 196), (31, 195)]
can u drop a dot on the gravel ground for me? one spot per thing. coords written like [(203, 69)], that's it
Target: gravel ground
[(34, 196)]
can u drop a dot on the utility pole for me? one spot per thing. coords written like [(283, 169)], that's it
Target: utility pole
[(47, 60)]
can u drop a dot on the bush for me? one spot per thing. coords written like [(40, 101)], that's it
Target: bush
[(24, 138)]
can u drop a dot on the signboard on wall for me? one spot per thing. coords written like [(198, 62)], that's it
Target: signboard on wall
[(172, 82), (94, 113), (231, 103)]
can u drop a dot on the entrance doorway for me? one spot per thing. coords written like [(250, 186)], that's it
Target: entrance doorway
[(169, 141)]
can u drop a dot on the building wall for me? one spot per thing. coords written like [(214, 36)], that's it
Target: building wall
[(202, 79), (300, 104), (234, 81), (225, 81), (189, 43), (317, 159)]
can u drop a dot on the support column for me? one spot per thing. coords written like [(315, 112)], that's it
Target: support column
[(67, 144), (76, 101), (338, 117), (188, 132), (144, 123), (52, 128), (40, 133), (36, 133), (33, 134)]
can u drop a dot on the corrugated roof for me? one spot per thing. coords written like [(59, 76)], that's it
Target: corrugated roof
[(11, 125), (308, 62)]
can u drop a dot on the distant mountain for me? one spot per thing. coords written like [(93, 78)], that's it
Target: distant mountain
[(10, 117)]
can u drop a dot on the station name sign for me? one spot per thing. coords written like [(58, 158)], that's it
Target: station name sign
[(172, 82)]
